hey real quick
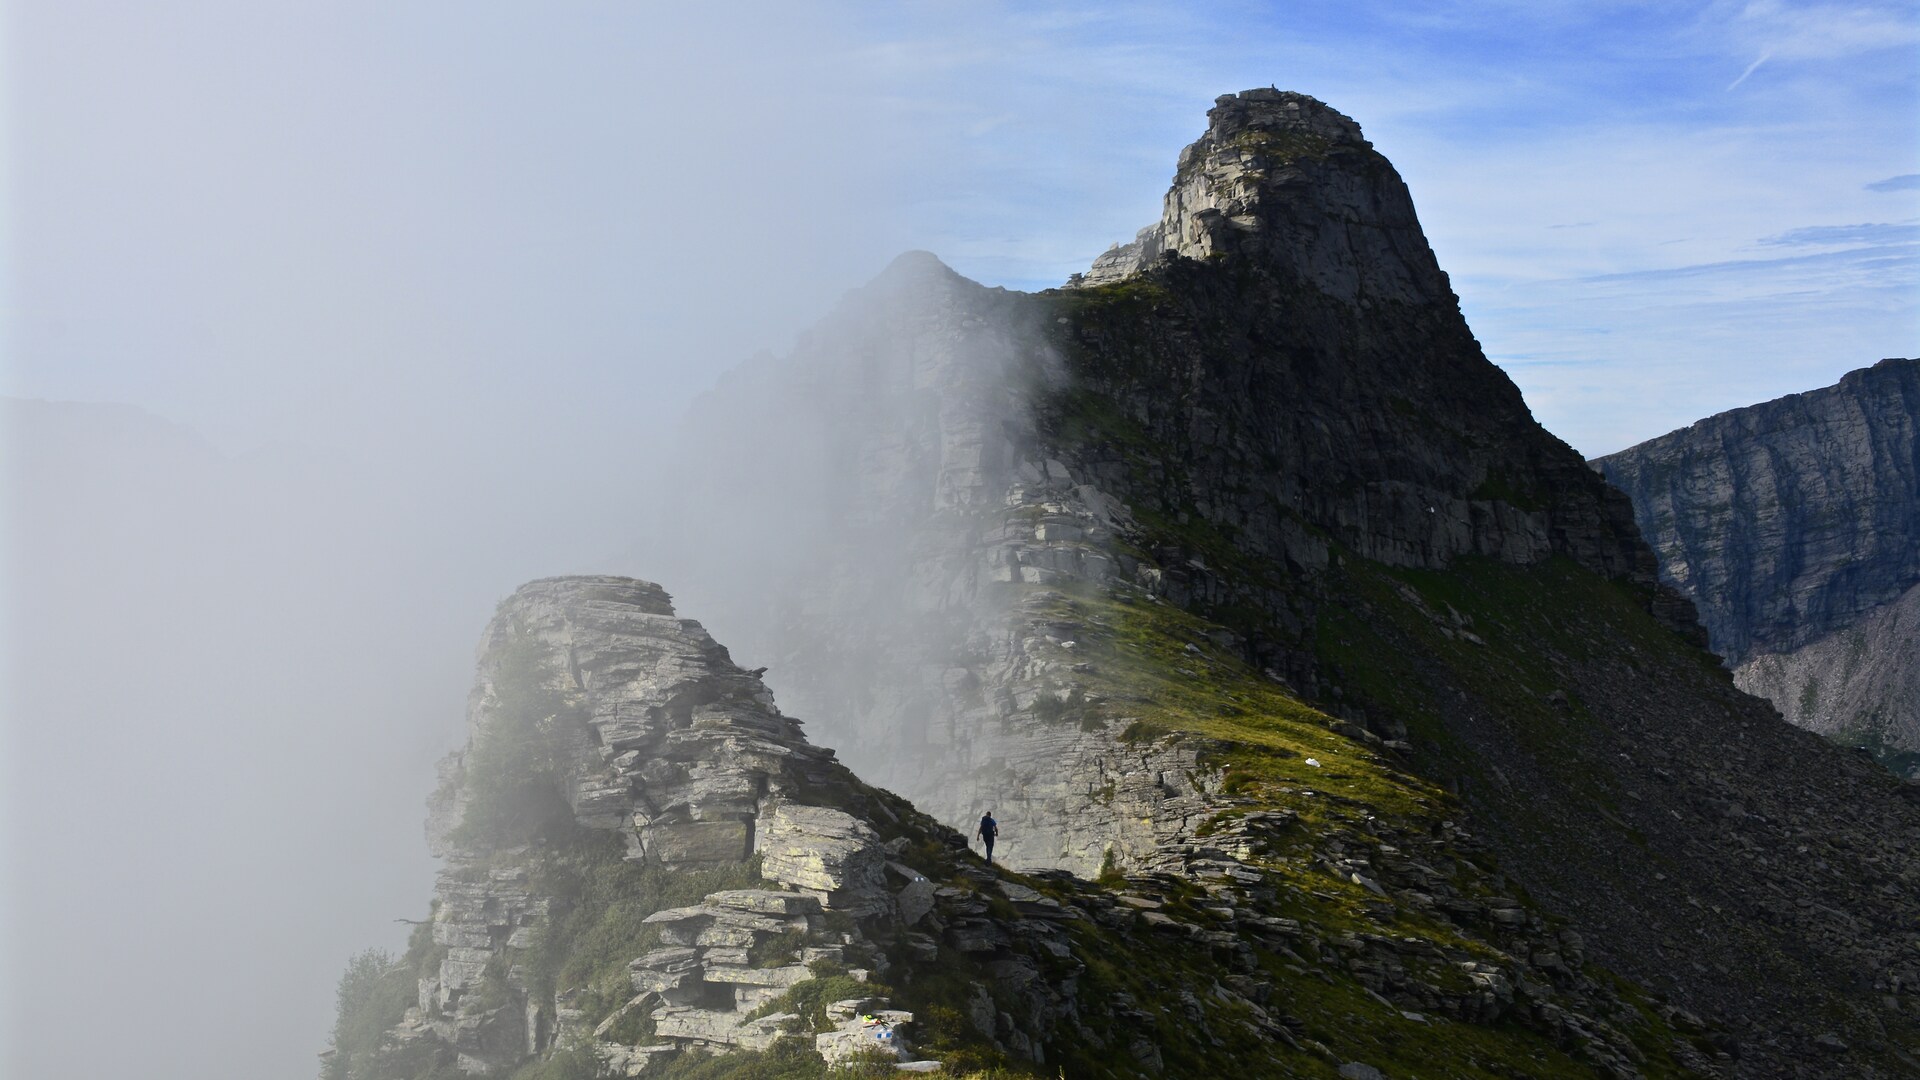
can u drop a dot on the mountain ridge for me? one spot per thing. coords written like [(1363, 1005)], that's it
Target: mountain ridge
[(1249, 590)]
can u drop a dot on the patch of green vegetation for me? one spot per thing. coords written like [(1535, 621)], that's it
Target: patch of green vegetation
[(1500, 643), (1099, 338), (1333, 1019), (788, 1059), (493, 990), (794, 1059), (1156, 670), (1055, 708), (776, 949), (1284, 145), (598, 922), (1081, 418), (1809, 697), (1153, 666), (1215, 545), (566, 1063), (373, 995), (634, 1028), (1129, 295), (1500, 487), (809, 998)]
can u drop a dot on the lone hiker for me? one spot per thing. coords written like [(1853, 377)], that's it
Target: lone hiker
[(989, 829)]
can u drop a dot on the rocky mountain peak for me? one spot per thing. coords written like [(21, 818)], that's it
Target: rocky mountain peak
[(1286, 179)]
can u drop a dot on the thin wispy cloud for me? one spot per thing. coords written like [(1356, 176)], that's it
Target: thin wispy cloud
[(1824, 31), (1751, 68), (1824, 235), (1904, 182), (1762, 276)]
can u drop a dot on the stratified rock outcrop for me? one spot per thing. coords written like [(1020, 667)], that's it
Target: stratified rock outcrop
[(667, 768), (1305, 345), (656, 738), (1256, 185), (1788, 520), (1794, 526)]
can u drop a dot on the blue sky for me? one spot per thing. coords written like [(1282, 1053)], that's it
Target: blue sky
[(1651, 211), (243, 217)]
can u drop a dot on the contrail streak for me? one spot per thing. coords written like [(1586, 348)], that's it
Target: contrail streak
[(1751, 68)]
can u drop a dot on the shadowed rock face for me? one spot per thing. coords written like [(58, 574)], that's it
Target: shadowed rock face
[(1794, 526), (1859, 685), (1786, 521)]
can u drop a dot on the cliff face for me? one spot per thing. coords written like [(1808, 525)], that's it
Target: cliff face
[(1287, 182), (598, 711), (1285, 326), (1794, 525), (1788, 520)]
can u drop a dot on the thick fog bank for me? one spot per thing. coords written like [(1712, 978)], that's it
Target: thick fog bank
[(830, 514), (418, 290), (228, 681)]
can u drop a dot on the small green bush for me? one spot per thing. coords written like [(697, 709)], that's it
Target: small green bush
[(516, 768), (374, 994), (567, 1063), (810, 998), (599, 917)]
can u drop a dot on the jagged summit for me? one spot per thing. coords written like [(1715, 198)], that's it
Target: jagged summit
[(1286, 179)]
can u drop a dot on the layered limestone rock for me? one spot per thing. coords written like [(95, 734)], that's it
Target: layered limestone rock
[(1794, 526), (661, 740), (1787, 521), (681, 752), (1281, 178)]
